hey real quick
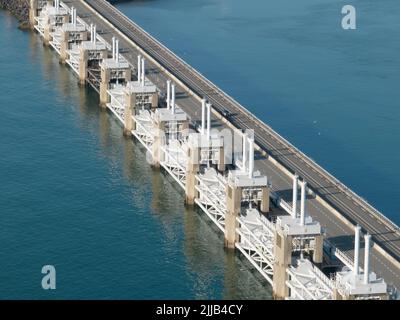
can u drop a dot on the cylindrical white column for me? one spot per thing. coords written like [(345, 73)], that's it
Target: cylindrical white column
[(117, 50), (251, 157), (168, 94), (94, 34), (295, 195), (203, 116), (139, 73), (208, 121), (113, 48), (72, 15), (356, 249), (303, 203), (173, 98), (367, 239), (143, 71)]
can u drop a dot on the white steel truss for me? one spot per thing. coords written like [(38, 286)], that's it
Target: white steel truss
[(94, 78), (144, 129), (40, 24), (117, 101), (257, 245), (175, 161), (56, 39), (73, 60), (212, 196), (307, 282)]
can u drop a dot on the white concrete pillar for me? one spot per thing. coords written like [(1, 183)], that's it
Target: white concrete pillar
[(117, 50), (356, 249), (251, 157), (143, 71), (113, 48), (295, 196), (94, 34), (203, 116), (367, 239), (139, 72), (244, 156), (173, 98), (208, 121), (303, 203), (168, 94)]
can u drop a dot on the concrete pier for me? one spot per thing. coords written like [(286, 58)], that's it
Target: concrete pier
[(283, 258), (233, 205), (192, 170), (129, 124), (318, 252), (33, 12), (264, 203), (159, 142)]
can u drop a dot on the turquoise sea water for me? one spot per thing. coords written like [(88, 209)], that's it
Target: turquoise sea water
[(75, 194)]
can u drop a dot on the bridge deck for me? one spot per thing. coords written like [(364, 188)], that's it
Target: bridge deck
[(385, 233)]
